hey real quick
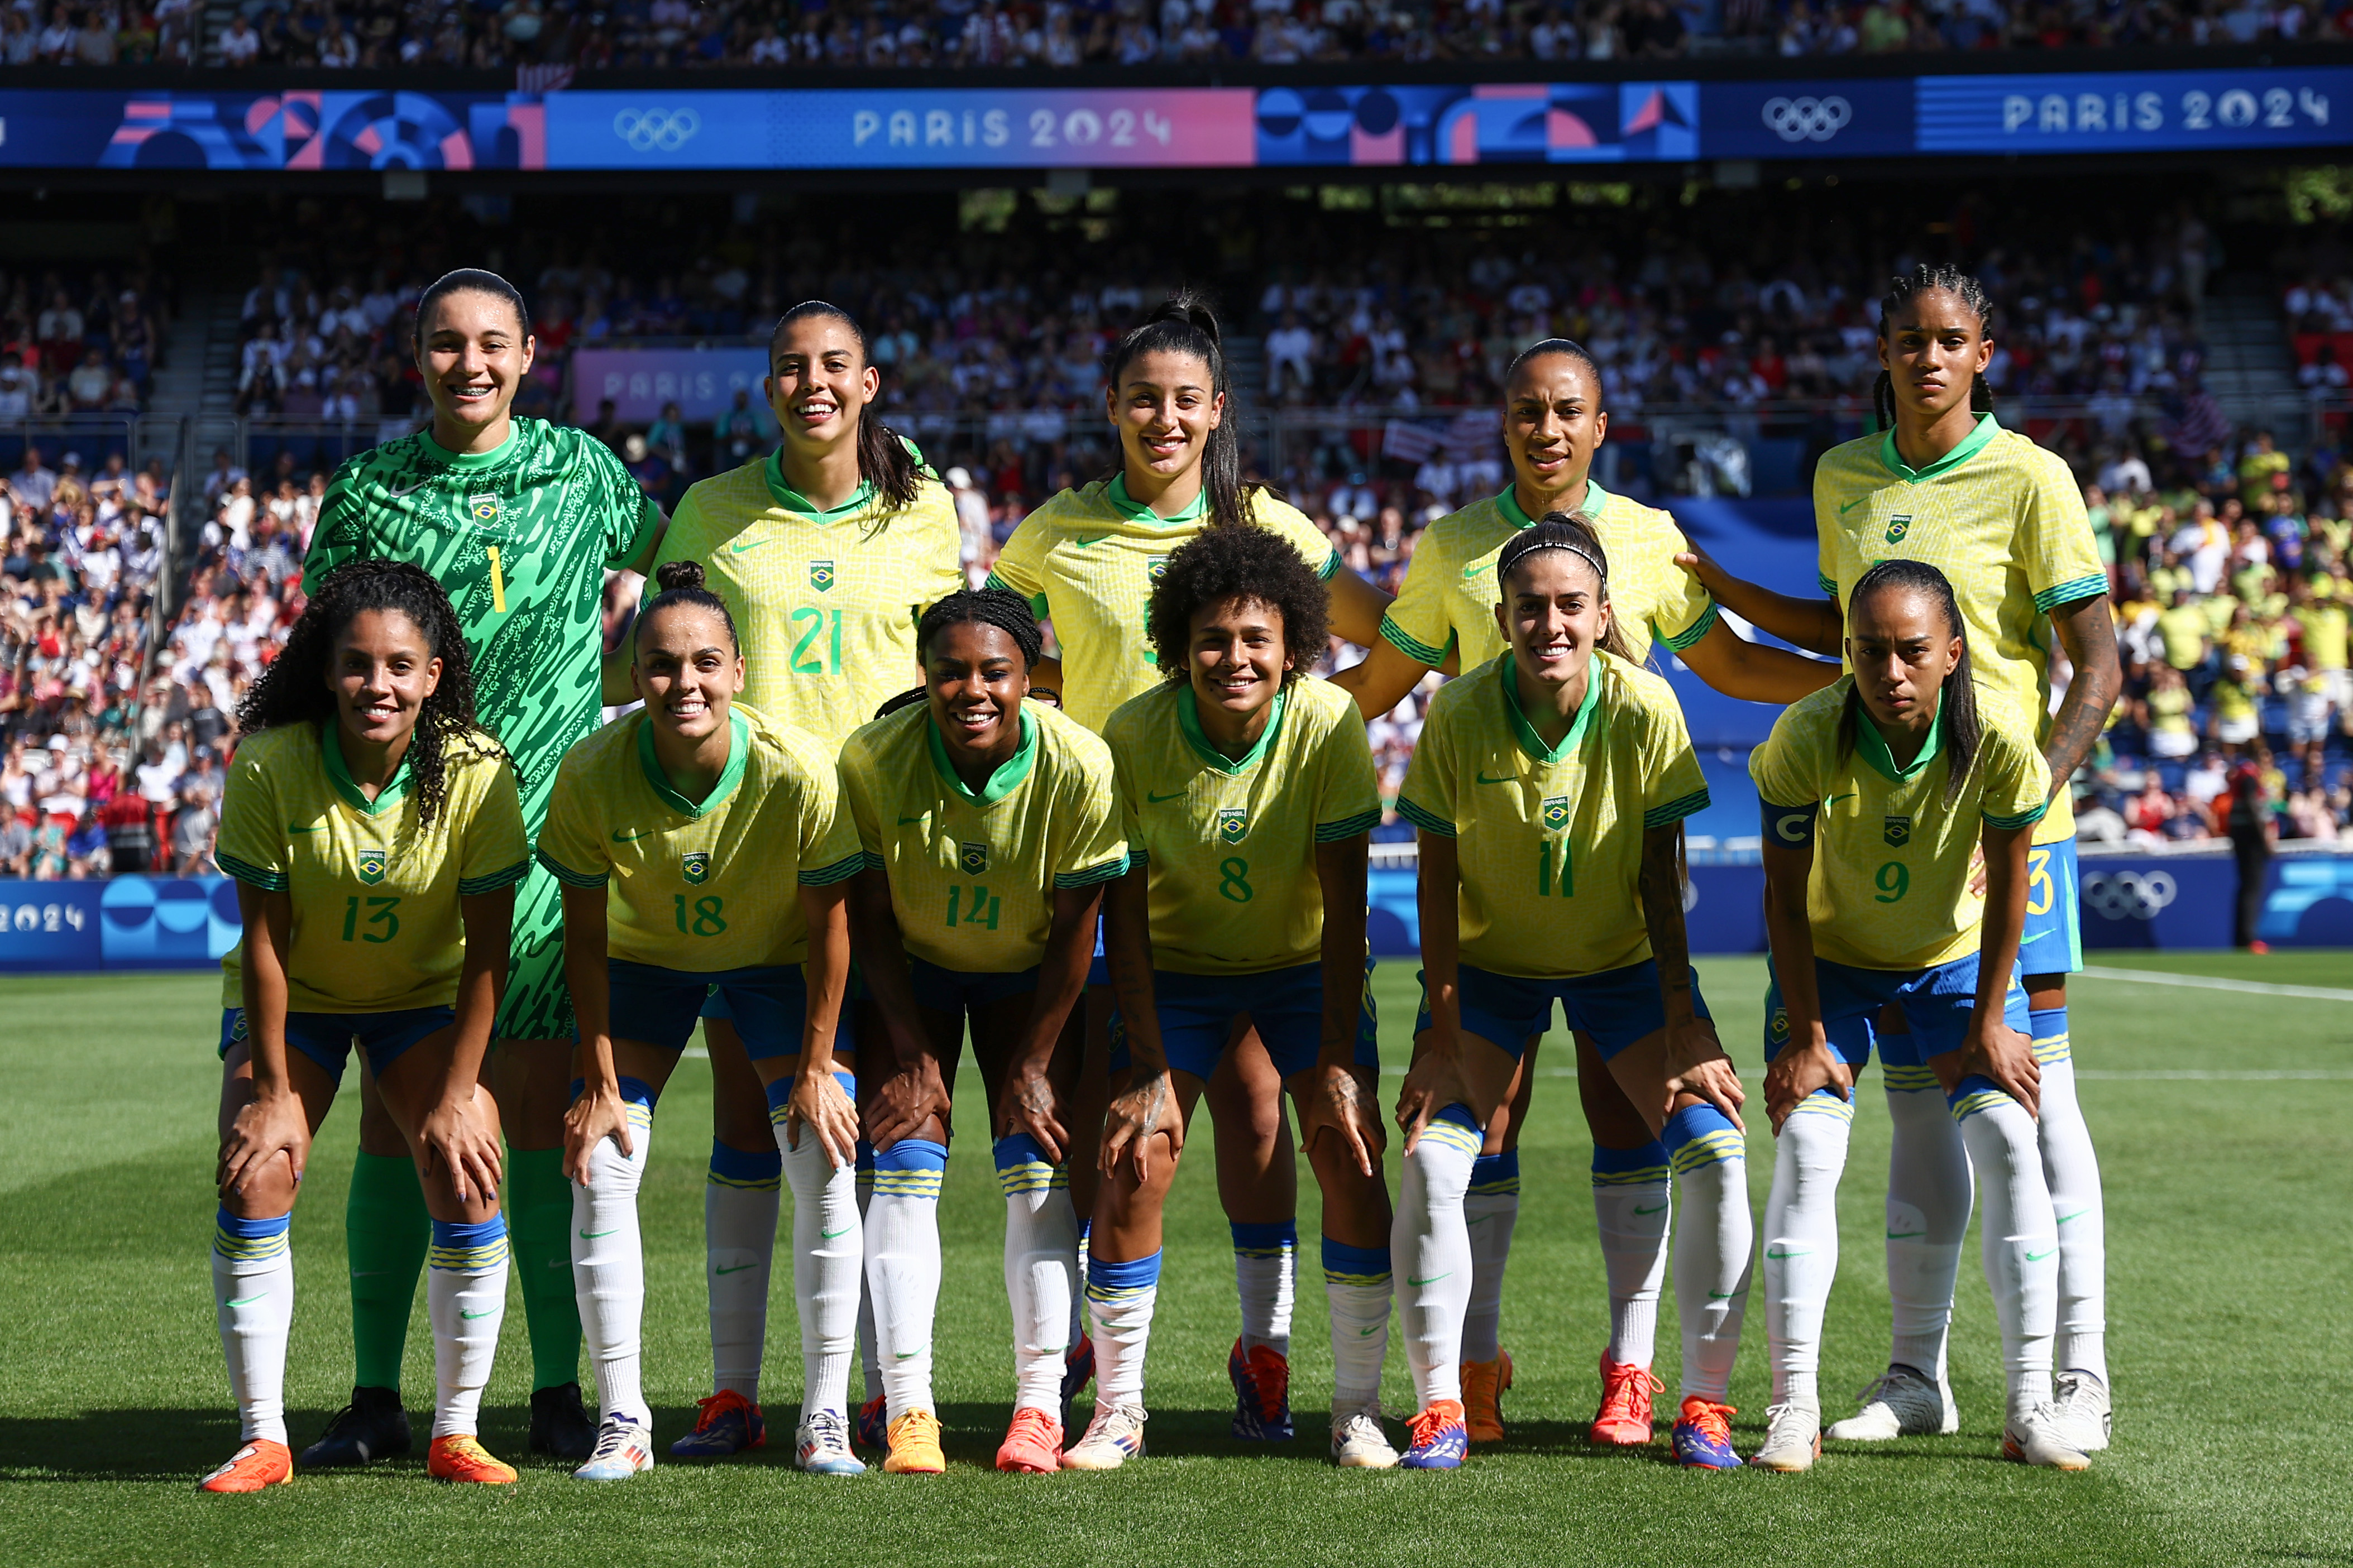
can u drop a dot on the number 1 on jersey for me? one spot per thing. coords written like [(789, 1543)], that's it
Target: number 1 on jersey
[(1547, 876)]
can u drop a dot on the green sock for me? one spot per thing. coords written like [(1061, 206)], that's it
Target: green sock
[(386, 1231), (539, 1227)]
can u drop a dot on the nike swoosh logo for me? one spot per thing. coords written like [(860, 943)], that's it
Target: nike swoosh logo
[(829, 1235), (2079, 1214), (1834, 799), (311, 828), (1853, 504), (1787, 1253), (1365, 1333), (739, 546), (593, 1234), (1507, 778), (904, 1355), (1151, 799), (1904, 1234), (2039, 1256), (905, 820), (250, 1300), (733, 1268), (369, 1273), (1662, 1208), (469, 1317), (410, 488), (1431, 1280), (1083, 543), (1726, 1295), (1477, 569), (621, 837)]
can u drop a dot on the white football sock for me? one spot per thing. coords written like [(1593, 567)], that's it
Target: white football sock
[(2020, 1237), (740, 1204), (1632, 1205), (1266, 1275), (1430, 1246), (466, 1295), (1120, 1298), (1928, 1198), (608, 1268), (1802, 1242), (253, 1300), (1042, 1268), (1358, 1285), (1078, 1295), (870, 1344), (1711, 1245), (828, 1261), (902, 1267), (1491, 1211), (2072, 1170)]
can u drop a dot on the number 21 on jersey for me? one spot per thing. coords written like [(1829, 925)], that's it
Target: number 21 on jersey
[(807, 657)]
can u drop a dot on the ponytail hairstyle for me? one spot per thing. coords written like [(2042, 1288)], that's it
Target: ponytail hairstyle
[(1569, 531), (292, 690), (1921, 280), (466, 280), (1220, 564), (1183, 323), (680, 582), (1003, 608), (1958, 701), (885, 461)]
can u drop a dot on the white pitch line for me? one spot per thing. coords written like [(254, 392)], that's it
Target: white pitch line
[(2250, 1076), (2209, 983)]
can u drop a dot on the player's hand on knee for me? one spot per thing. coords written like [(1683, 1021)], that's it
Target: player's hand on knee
[(1433, 1083), (1340, 1100), (1994, 1050), (1695, 1064), (1146, 1107), (595, 1116), (819, 1105), (898, 1106), (456, 1136), (265, 1127), (1798, 1073), (1029, 1106)]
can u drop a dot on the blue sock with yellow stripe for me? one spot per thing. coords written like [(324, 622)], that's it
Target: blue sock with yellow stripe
[(1711, 1244), (1042, 1267), (1358, 1285), (1492, 1212), (253, 1301), (1266, 1275), (741, 1195), (466, 1292), (1632, 1202), (902, 1267)]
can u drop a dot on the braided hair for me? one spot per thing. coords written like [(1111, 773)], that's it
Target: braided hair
[(293, 689), (467, 280), (1922, 279), (1572, 533), (1221, 564), (885, 461), (680, 582), (1958, 701), (1003, 608), (1185, 325)]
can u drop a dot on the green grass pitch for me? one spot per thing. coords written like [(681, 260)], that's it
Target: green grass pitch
[(2225, 1127)]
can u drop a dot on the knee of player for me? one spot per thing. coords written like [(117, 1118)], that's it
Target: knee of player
[(1697, 1137)]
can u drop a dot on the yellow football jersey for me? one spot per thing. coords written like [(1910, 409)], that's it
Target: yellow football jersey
[(1548, 840), (1890, 888), (826, 602), (2323, 623), (971, 873), (1449, 595), (708, 886), (1232, 843), (2001, 517), (1088, 558), (376, 926)]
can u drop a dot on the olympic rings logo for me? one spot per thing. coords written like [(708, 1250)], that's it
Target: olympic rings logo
[(1807, 118), (657, 130), (2129, 895)]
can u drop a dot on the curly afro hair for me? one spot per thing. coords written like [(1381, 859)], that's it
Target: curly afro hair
[(1237, 561)]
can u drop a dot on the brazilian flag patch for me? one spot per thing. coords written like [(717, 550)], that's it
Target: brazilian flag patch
[(1556, 813), (1233, 823), (972, 859), (821, 575), (1778, 1027), (1899, 830), (1155, 568), (483, 511), (371, 866), (696, 866), (1897, 527)]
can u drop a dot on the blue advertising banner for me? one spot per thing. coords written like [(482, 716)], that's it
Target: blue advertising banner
[(1859, 118), (2137, 112), (130, 923)]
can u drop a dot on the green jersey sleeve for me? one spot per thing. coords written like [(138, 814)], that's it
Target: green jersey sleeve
[(631, 517), (340, 532)]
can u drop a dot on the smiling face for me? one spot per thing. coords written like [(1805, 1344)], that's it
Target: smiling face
[(1238, 656), (1552, 422), (382, 670), (819, 381), (1933, 348), (1553, 613), (974, 677), (687, 670), (473, 353), (1902, 648), (1164, 408)]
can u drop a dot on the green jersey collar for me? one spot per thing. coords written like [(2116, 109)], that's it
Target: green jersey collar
[(1597, 500), (791, 500), (1526, 733), (1188, 719), (1987, 427), (1873, 746), (1003, 782), (440, 453), (1135, 511), (739, 746), (339, 775)]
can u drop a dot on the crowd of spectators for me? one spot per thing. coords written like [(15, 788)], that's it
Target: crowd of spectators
[(496, 34), (85, 343)]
